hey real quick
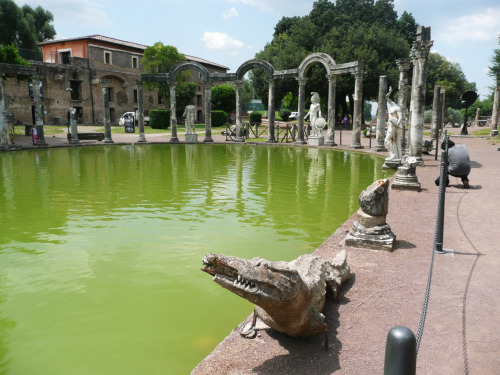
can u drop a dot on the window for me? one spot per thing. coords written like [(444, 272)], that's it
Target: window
[(159, 99), (135, 62), (107, 57), (65, 57), (111, 94), (135, 96), (198, 100), (30, 90), (75, 88)]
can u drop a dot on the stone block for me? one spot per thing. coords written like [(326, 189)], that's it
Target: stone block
[(316, 141), (191, 138)]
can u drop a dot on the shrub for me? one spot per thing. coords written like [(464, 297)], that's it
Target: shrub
[(285, 114), (428, 116), (453, 115), (224, 98), (255, 117), (219, 118), (159, 118)]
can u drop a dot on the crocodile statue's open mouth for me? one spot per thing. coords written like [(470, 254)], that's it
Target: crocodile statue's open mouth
[(228, 276)]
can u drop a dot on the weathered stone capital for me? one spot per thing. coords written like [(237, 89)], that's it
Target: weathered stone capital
[(421, 49), (172, 85), (138, 83), (302, 81), (272, 83), (403, 64), (359, 75), (331, 78), (238, 83), (105, 82)]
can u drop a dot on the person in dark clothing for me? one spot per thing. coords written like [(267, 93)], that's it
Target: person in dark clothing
[(458, 163)]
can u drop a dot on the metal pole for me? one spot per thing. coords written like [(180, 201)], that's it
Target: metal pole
[(442, 190), (400, 352)]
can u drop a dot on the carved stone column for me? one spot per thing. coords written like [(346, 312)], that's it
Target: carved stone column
[(443, 109), (40, 140), (239, 112), (107, 122), (302, 101), (494, 115), (420, 54), (404, 66), (74, 127), (208, 112), (173, 115), (332, 83), (436, 110), (358, 110), (381, 111), (140, 115), (271, 112)]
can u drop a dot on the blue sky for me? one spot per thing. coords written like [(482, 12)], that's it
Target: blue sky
[(230, 32)]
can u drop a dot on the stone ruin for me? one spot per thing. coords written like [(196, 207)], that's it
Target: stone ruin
[(288, 297), (371, 230)]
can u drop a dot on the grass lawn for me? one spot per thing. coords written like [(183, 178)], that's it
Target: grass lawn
[(115, 129)]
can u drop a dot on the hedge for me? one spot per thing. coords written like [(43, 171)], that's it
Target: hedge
[(255, 117), (285, 114), (159, 118), (219, 118)]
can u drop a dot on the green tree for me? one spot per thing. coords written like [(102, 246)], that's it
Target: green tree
[(10, 55), (162, 59), (224, 98), (25, 27), (247, 92), (495, 67), (347, 30), (451, 78)]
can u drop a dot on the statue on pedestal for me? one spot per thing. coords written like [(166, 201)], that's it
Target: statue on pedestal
[(314, 114), (188, 114), (394, 130)]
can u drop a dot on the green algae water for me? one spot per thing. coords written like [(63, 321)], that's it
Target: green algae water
[(101, 247)]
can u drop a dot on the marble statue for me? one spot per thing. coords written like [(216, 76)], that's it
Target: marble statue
[(314, 114), (189, 115), (288, 297), (394, 129)]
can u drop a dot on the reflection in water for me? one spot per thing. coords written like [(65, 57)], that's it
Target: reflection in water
[(101, 246)]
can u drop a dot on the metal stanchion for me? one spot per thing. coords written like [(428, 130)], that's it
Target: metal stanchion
[(400, 352), (442, 190)]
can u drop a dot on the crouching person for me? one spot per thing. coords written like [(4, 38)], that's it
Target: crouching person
[(458, 163)]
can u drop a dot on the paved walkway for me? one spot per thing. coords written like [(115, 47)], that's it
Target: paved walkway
[(387, 289)]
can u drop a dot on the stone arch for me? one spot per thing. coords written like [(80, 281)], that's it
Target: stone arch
[(322, 58), (189, 65), (255, 63), (113, 76)]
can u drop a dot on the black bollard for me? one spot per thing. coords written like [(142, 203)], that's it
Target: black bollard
[(400, 352)]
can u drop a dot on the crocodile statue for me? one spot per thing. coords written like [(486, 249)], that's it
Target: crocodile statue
[(288, 297)]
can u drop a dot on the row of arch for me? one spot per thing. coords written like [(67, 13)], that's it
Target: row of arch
[(333, 70)]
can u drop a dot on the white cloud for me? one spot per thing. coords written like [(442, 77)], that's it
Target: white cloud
[(72, 11), (221, 42), (477, 27), (230, 13), (281, 7)]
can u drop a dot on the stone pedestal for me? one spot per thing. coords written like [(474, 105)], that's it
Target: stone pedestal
[(316, 141), (191, 138), (371, 230), (375, 237), (406, 179), (391, 164)]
